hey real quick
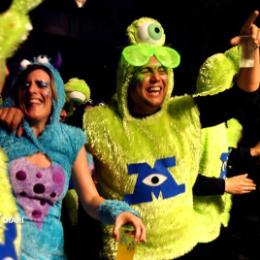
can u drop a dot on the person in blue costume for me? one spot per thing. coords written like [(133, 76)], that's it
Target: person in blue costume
[(146, 143), (40, 164), (14, 29)]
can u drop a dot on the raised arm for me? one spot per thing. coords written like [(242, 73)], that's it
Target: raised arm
[(96, 206), (248, 78)]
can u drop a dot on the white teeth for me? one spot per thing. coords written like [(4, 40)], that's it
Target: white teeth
[(35, 101), (154, 89)]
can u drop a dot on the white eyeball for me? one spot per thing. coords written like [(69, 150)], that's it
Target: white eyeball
[(24, 64), (42, 59), (151, 32)]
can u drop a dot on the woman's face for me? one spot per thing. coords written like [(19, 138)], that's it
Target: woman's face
[(35, 96)]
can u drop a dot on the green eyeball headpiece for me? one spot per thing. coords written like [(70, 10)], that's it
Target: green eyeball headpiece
[(139, 54), (146, 30)]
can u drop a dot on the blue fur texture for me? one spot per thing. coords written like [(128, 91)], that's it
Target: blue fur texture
[(61, 144), (110, 209)]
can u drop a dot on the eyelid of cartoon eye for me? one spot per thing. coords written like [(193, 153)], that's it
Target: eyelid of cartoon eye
[(155, 179)]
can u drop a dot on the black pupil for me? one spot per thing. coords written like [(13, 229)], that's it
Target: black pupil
[(155, 179), (157, 30)]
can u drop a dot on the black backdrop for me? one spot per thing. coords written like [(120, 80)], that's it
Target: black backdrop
[(90, 39)]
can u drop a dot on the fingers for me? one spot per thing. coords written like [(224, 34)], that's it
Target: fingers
[(19, 131), (246, 184), (239, 184), (11, 117), (246, 189), (116, 231), (235, 40), (139, 232), (249, 22), (249, 29)]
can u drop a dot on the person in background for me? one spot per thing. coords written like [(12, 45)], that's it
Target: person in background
[(243, 232), (76, 222), (213, 189)]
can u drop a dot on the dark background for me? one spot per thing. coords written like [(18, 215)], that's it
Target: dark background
[(89, 39)]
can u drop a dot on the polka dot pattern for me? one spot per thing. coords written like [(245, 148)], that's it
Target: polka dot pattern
[(37, 189)]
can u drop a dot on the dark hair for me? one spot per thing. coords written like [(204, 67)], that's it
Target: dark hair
[(23, 75)]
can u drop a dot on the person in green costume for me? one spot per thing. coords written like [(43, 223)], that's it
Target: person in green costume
[(146, 144), (212, 209), (212, 203)]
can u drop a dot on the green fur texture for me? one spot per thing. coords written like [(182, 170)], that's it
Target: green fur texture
[(217, 72), (215, 75), (77, 85), (14, 26), (146, 29)]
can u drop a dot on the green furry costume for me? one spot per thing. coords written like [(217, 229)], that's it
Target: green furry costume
[(14, 28), (213, 211), (135, 162)]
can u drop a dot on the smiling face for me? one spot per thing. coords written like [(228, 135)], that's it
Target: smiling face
[(148, 89), (35, 96)]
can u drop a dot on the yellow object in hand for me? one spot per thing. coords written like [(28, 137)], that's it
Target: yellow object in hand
[(126, 245)]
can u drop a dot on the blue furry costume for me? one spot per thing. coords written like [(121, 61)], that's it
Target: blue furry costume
[(43, 239)]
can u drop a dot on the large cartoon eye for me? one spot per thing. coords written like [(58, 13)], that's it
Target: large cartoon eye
[(42, 59), (24, 64), (154, 179), (150, 33)]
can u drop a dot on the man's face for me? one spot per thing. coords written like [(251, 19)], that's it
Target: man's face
[(147, 93)]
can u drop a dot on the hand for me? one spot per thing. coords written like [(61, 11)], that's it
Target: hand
[(255, 151), (129, 218), (12, 118), (250, 29), (240, 184)]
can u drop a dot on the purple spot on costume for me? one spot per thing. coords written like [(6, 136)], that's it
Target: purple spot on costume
[(35, 195)]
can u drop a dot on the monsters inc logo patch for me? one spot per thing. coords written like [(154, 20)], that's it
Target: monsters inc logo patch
[(154, 180), (223, 170), (7, 250)]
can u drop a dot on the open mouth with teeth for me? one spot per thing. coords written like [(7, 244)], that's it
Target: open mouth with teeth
[(154, 91)]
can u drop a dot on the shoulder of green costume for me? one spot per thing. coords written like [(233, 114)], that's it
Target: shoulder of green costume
[(182, 100), (217, 72), (99, 114), (180, 105)]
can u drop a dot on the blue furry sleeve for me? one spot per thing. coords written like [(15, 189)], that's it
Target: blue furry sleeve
[(110, 209), (76, 140)]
